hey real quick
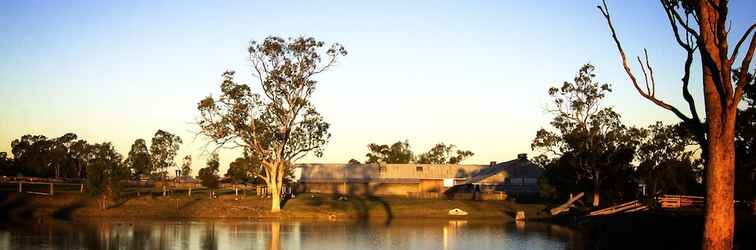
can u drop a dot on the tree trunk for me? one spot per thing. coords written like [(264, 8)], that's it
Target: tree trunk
[(719, 220), (596, 186), (275, 197)]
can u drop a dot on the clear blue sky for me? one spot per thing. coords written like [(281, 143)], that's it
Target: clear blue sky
[(471, 73)]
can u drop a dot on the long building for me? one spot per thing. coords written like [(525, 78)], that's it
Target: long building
[(515, 176)]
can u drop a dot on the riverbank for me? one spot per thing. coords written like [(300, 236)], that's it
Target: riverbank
[(304, 206), (665, 229)]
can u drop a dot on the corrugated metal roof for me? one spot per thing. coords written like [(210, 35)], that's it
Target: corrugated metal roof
[(518, 168)]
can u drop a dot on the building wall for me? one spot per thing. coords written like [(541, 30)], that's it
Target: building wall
[(431, 186), (359, 188)]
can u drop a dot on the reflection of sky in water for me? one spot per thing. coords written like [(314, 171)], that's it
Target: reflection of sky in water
[(401, 234)]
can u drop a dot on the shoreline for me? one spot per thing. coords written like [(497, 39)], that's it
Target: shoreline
[(304, 207)]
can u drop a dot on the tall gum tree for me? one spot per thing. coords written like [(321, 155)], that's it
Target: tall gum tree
[(279, 125), (701, 26)]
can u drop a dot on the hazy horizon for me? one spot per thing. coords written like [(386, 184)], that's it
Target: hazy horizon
[(470, 74)]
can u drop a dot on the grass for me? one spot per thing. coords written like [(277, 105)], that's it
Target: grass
[(151, 204)]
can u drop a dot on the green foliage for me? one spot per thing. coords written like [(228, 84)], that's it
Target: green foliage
[(666, 165), (444, 154), (7, 165), (163, 150), (36, 155), (397, 153), (186, 166), (400, 153), (589, 146), (105, 170), (353, 162), (209, 174), (139, 160), (244, 169)]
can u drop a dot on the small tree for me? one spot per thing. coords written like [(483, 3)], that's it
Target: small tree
[(244, 168), (7, 165), (105, 173), (209, 174), (186, 166), (139, 160), (353, 162), (282, 126), (164, 148), (590, 142)]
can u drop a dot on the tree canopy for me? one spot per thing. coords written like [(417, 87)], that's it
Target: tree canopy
[(209, 174), (186, 166), (397, 153), (36, 155), (244, 169), (163, 150), (139, 159), (105, 170), (444, 154), (589, 143)]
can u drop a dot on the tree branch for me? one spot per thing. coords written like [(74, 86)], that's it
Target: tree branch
[(740, 42), (649, 96), (743, 78)]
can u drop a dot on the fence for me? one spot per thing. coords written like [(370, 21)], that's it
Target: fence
[(494, 195), (679, 201)]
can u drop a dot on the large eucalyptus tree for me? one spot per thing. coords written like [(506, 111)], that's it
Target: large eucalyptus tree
[(700, 27), (276, 122)]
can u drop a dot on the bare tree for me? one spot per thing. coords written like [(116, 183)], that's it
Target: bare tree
[(281, 125), (701, 26)]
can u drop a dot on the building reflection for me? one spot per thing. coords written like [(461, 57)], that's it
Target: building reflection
[(273, 235)]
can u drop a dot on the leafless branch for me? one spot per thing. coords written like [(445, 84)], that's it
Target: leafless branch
[(743, 78), (650, 96), (740, 42)]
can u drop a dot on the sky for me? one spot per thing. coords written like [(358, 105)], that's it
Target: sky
[(469, 73)]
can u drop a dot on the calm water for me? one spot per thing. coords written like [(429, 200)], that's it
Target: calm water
[(402, 234)]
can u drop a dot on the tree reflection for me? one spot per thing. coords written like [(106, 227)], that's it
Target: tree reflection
[(275, 236), (209, 241)]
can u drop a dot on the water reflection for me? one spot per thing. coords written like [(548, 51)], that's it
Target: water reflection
[(401, 234)]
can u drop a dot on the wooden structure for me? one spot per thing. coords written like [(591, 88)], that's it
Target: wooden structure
[(567, 205), (627, 207), (51, 183), (512, 177), (680, 201)]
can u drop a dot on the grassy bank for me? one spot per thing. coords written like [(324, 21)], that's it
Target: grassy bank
[(304, 206)]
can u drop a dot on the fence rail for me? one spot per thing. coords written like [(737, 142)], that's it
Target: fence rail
[(680, 201)]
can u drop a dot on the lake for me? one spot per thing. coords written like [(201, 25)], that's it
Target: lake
[(291, 235)]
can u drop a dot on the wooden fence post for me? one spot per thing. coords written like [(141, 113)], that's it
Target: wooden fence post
[(52, 189)]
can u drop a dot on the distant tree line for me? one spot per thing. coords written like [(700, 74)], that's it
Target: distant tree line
[(99, 164), (589, 148), (400, 153)]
